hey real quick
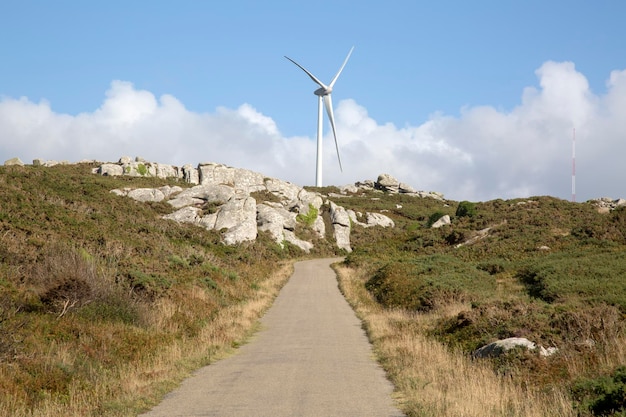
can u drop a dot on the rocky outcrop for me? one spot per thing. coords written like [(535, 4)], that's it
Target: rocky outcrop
[(238, 217), (38, 162), (212, 173), (223, 199), (14, 161), (388, 184), (111, 170), (371, 219), (341, 226), (607, 204), (146, 194), (377, 219), (480, 235)]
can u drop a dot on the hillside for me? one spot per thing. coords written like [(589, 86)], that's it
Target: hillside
[(104, 305), (541, 268)]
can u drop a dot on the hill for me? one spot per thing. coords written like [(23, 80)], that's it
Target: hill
[(104, 305)]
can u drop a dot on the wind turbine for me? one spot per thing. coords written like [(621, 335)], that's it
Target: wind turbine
[(323, 94)]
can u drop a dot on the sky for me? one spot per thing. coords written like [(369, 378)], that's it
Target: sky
[(476, 100)]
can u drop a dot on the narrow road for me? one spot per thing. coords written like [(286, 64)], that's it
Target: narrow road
[(311, 359)]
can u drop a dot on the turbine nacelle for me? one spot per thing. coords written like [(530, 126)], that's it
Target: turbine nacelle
[(323, 91)]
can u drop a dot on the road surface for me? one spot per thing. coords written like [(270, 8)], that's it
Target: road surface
[(311, 358)]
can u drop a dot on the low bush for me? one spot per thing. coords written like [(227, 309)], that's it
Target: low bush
[(466, 209), (426, 282), (604, 395)]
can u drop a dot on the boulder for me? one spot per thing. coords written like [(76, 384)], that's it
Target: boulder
[(365, 185), (443, 221), (377, 219), (111, 170), (14, 162), (169, 191), (500, 347), (341, 226), (139, 169), (302, 244), (120, 192), (356, 217), (167, 171), (305, 200), (406, 189), (387, 183), (238, 216), (349, 189), (386, 180), (275, 220), (185, 215), (190, 174), (371, 219), (185, 201), (212, 173), (284, 190), (319, 227), (212, 193), (146, 195)]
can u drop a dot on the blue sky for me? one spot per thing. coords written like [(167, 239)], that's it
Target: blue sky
[(474, 99)]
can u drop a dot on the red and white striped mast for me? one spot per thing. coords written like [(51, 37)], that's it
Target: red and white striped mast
[(574, 166)]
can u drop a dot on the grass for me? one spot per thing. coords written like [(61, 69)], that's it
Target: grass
[(540, 268), (105, 307), (432, 379)]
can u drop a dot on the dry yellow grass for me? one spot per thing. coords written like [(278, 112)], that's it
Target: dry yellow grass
[(431, 380), (128, 390)]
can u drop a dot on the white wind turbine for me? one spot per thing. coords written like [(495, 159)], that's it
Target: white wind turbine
[(323, 94)]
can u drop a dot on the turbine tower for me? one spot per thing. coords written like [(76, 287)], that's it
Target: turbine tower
[(324, 95)]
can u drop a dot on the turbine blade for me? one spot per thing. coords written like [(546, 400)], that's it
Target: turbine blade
[(328, 102), (318, 82), (340, 69)]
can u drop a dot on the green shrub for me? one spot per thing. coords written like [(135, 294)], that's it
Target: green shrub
[(427, 282), (602, 396), (591, 275), (150, 285), (121, 310), (466, 209), (492, 266), (209, 283), (142, 170), (310, 216), (178, 262)]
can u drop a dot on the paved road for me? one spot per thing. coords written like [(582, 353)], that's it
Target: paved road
[(311, 359)]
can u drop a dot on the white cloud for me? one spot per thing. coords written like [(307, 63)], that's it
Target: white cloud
[(484, 153)]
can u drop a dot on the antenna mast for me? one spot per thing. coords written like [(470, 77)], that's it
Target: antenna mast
[(574, 166)]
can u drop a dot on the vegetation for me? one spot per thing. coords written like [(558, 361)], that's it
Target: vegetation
[(541, 268), (104, 306), (309, 217), (466, 209)]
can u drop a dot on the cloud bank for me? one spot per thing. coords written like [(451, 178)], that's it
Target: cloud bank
[(482, 154)]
